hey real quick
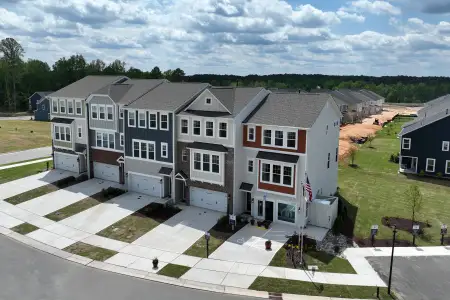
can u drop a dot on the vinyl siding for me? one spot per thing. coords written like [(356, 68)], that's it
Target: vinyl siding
[(102, 124), (228, 142), (74, 115)]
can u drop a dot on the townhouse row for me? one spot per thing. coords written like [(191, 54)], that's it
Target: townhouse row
[(230, 149)]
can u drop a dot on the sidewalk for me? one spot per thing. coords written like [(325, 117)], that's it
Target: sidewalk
[(25, 163), (12, 157)]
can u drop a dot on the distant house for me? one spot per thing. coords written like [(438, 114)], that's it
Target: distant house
[(42, 112), (34, 99)]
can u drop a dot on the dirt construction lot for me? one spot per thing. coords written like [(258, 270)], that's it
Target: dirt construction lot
[(367, 127)]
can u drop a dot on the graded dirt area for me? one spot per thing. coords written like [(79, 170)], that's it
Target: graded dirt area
[(366, 127)]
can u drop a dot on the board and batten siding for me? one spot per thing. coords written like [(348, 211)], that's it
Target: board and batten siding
[(93, 139), (67, 115), (102, 124), (228, 141)]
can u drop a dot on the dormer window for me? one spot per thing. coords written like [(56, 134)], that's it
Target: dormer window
[(208, 101)]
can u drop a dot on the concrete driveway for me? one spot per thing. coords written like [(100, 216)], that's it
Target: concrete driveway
[(54, 201), (15, 187), (181, 231), (248, 244)]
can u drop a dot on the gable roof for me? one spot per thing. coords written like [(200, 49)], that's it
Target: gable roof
[(41, 94), (433, 114), (438, 100), (354, 95), (168, 96), (86, 86), (289, 109), (372, 95), (235, 99)]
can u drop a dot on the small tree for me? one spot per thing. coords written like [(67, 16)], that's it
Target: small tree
[(370, 139), (352, 154), (415, 200)]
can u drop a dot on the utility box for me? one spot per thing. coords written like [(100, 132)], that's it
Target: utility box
[(323, 212)]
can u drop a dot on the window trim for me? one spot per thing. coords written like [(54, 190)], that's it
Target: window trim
[(108, 133), (131, 112), (282, 165), (184, 155), (60, 106), (285, 138), (409, 143), (81, 108), (139, 112), (121, 139), (434, 165), (219, 130), (253, 165), (104, 111), (206, 101), (107, 114), (62, 128), (92, 111), (248, 133), (79, 132), (448, 146), (447, 166), (193, 128), (210, 154), (181, 126), (149, 120), (73, 111), (213, 129), (167, 150), (160, 121), (57, 106), (140, 142)]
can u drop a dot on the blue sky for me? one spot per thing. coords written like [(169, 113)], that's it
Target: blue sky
[(360, 37)]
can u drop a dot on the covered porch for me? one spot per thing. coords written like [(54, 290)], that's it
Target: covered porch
[(408, 164)]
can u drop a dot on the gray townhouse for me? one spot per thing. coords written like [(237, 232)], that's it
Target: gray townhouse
[(69, 122)]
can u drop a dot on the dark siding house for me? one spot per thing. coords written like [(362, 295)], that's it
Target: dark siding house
[(42, 112), (34, 99)]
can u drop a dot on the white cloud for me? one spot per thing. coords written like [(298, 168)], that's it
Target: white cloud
[(350, 16), (376, 7)]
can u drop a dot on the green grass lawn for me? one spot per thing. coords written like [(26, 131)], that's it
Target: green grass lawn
[(377, 190), (276, 285), (92, 252), (172, 270), (24, 171), (29, 135), (24, 228), (84, 204)]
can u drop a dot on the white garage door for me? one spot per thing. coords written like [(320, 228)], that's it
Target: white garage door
[(106, 172), (66, 162), (145, 185), (208, 199)]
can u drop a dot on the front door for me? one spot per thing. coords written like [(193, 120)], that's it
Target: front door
[(414, 164), (248, 206), (269, 210)]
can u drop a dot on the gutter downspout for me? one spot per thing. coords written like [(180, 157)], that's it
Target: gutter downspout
[(88, 149)]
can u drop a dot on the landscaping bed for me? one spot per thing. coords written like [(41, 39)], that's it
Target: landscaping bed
[(218, 235), (23, 171), (92, 252), (136, 225), (173, 270), (86, 203), (403, 224), (24, 228)]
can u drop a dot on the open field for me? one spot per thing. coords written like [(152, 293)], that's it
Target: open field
[(19, 135)]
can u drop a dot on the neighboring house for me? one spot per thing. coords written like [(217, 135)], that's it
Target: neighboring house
[(34, 99), (106, 126), (150, 137), (377, 100), (69, 122), (287, 136), (425, 143), (434, 105), (209, 149), (42, 112)]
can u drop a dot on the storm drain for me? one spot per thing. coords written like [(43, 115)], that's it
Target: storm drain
[(275, 296)]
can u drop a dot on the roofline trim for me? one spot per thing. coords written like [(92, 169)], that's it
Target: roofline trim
[(204, 91)]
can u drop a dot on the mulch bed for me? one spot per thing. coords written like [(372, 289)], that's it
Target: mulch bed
[(158, 212), (367, 242), (403, 224)]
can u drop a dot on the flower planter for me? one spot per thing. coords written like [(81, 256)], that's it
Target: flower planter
[(268, 245)]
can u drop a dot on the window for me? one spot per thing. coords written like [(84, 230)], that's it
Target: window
[(136, 149), (62, 133), (197, 161), (223, 130), (122, 140), (209, 128), (208, 101), (164, 122), (144, 149), (152, 121), (250, 165), (267, 138), (111, 140), (80, 132), (164, 152), (120, 113), (142, 119), (277, 174), (206, 162), (430, 164), (151, 151), (196, 127), (260, 208), (251, 134), (55, 106), (184, 155), (62, 106), (43, 107), (131, 118), (56, 131), (286, 212), (445, 146), (99, 139), (94, 112), (287, 175), (406, 143), (328, 163), (279, 138), (101, 112), (265, 173), (447, 167), (78, 109), (215, 163), (292, 140), (184, 126), (105, 140), (337, 154), (68, 134), (110, 113), (70, 107)]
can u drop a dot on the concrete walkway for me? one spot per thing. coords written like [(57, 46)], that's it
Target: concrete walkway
[(12, 157), (25, 163)]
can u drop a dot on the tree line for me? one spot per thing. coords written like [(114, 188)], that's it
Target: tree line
[(19, 79)]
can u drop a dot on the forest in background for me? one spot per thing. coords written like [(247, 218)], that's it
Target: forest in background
[(19, 79)]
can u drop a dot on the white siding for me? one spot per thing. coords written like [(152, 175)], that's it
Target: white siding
[(200, 103), (228, 142)]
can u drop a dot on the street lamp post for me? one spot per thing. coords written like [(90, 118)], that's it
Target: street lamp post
[(443, 232), (394, 232), (207, 236)]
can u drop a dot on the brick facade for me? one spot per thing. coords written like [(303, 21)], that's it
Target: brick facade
[(301, 140)]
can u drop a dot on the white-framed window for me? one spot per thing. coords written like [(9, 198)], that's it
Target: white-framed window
[(55, 106), (207, 162), (62, 133), (445, 146), (78, 108), (208, 101), (329, 159), (196, 127), (62, 106), (131, 118), (276, 174), (101, 112), (122, 140), (164, 121), (223, 130), (121, 113), (184, 126), (215, 163), (291, 139), (152, 123), (94, 111), (184, 155), (406, 143), (104, 140), (279, 138), (70, 107), (142, 119), (164, 150), (68, 134), (431, 162), (250, 165), (144, 149), (447, 167), (197, 161), (209, 128), (109, 112), (80, 132), (267, 137), (251, 133)]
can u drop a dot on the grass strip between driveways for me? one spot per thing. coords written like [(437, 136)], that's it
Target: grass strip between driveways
[(92, 252), (173, 270), (84, 204), (40, 191), (24, 228), (136, 225), (276, 285), (23, 171), (25, 161)]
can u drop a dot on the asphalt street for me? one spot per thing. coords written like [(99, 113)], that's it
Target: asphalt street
[(29, 274), (416, 278), (12, 157)]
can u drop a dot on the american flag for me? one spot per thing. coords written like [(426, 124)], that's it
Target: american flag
[(307, 188)]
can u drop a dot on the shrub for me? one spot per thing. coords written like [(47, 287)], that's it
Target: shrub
[(439, 174), (422, 173)]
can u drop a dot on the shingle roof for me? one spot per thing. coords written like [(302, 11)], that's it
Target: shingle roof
[(354, 95), (435, 106), (370, 94), (207, 146), (43, 94), (235, 98), (168, 96), (289, 109), (129, 90), (278, 157), (85, 86), (438, 100)]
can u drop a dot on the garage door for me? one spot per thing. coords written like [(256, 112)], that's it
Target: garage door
[(106, 172), (66, 162), (208, 199), (144, 184)]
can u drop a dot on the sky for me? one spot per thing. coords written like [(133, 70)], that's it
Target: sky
[(335, 37)]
